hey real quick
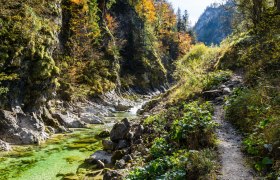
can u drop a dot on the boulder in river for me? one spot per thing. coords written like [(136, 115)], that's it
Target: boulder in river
[(91, 118), (108, 145), (68, 121), (103, 156), (122, 107), (120, 130)]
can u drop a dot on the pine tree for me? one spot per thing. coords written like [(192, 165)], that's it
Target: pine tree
[(179, 20), (186, 23)]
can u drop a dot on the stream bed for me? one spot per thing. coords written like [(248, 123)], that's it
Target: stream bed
[(59, 156)]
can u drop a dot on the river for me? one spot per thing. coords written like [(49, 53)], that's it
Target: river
[(61, 155)]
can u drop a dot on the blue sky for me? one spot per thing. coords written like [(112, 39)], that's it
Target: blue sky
[(194, 7)]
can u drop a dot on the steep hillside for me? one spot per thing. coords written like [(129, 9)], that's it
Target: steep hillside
[(214, 24), (83, 48), (53, 53)]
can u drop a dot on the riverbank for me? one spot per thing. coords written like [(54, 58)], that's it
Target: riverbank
[(63, 154)]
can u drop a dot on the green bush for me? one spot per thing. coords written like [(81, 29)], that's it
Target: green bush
[(159, 148), (180, 165), (216, 78), (255, 111), (195, 128)]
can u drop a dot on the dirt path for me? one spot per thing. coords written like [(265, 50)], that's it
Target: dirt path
[(233, 165), (229, 147)]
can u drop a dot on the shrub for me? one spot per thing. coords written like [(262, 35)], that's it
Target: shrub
[(195, 128), (256, 112), (159, 148), (180, 165), (214, 79)]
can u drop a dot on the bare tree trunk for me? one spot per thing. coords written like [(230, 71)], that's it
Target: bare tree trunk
[(257, 11)]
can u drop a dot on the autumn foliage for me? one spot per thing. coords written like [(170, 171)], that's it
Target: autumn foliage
[(146, 10)]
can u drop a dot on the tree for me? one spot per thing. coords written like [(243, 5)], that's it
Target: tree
[(146, 10), (186, 23), (252, 10), (277, 5), (179, 20)]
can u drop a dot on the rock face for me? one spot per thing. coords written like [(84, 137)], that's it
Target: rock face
[(214, 24), (19, 128)]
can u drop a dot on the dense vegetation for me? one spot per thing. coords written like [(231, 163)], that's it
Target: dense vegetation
[(253, 52), (82, 48), (77, 49)]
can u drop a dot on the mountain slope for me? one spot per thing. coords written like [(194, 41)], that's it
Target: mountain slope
[(214, 24)]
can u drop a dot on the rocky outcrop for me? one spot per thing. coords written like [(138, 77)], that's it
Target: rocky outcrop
[(20, 128), (4, 146), (223, 90), (69, 121), (214, 24), (124, 137)]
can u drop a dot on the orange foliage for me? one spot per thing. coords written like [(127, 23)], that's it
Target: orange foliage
[(77, 1), (146, 9), (184, 41), (166, 20), (111, 22)]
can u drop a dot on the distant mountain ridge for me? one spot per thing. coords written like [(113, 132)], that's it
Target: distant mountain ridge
[(214, 24)]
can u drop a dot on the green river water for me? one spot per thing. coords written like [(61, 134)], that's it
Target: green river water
[(61, 156)]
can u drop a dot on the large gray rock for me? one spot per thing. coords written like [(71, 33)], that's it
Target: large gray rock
[(4, 146), (122, 107), (20, 128), (122, 144), (69, 121), (103, 156), (91, 118), (120, 130)]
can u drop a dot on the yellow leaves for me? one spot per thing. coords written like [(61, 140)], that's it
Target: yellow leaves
[(184, 43), (146, 9), (77, 1)]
